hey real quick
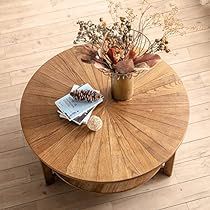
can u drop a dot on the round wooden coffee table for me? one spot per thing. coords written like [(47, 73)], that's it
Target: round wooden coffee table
[(138, 136)]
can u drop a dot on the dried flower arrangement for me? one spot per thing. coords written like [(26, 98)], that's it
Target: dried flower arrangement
[(121, 50)]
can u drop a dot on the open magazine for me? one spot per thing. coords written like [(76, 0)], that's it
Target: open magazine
[(76, 111)]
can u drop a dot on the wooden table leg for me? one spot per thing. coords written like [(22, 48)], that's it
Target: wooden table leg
[(48, 174), (168, 168)]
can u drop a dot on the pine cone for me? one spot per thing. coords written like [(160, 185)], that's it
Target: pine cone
[(85, 95)]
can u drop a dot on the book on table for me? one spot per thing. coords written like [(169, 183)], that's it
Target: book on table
[(76, 111)]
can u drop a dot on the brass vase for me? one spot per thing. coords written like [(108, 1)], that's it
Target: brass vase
[(122, 88)]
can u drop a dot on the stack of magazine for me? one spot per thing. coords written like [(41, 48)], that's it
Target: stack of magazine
[(78, 112)]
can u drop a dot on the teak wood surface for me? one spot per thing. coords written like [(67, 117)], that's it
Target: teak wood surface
[(137, 136)]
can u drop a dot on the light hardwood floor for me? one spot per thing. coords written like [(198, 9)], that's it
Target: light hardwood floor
[(31, 32)]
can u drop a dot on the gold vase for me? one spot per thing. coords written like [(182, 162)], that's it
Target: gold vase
[(122, 88)]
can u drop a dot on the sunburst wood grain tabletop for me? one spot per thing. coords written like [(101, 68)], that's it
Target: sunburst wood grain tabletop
[(138, 136)]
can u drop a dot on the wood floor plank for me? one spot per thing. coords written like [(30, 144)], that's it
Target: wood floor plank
[(11, 93), (36, 33), (8, 109), (28, 206), (51, 17), (10, 124), (169, 196), (197, 130), (194, 12), (11, 141), (17, 105), (189, 39), (193, 150), (35, 171), (189, 3), (2, 53), (32, 21), (14, 176), (36, 46), (27, 61), (199, 50), (5, 80), (31, 191), (199, 96), (41, 7), (82, 200), (205, 76), (178, 207), (71, 201), (105, 206), (193, 66), (6, 4), (199, 112), (192, 82), (19, 175), (201, 204), (22, 76), (179, 55), (13, 11), (41, 32), (16, 158), (186, 171)]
